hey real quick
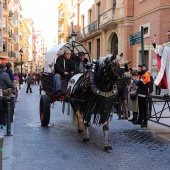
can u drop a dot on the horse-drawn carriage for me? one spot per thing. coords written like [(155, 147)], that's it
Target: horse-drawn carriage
[(48, 79), (90, 93)]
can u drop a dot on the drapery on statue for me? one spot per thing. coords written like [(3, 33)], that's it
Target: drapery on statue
[(163, 63)]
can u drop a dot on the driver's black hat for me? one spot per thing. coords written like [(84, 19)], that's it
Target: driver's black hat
[(81, 53)]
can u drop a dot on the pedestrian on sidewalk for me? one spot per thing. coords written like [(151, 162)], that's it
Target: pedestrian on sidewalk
[(5, 86), (29, 83)]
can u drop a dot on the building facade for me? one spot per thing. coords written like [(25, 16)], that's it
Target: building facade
[(62, 21), (104, 26)]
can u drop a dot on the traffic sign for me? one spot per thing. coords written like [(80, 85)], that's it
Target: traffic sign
[(135, 38)]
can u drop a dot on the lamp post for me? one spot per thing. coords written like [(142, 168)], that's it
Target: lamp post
[(71, 39), (21, 53)]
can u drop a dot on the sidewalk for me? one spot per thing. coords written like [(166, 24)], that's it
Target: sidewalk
[(8, 142)]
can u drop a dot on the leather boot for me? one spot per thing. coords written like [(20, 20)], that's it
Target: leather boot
[(144, 123), (138, 122), (135, 116)]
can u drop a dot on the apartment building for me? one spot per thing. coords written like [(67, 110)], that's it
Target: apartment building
[(9, 38), (104, 26), (39, 50), (25, 33), (62, 21)]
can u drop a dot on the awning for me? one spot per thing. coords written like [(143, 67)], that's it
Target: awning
[(53, 53)]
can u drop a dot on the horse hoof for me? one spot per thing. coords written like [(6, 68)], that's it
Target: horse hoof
[(108, 149), (80, 131), (85, 140)]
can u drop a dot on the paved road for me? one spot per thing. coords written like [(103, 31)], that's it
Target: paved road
[(60, 147)]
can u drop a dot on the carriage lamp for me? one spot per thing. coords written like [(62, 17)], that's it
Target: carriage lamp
[(21, 54), (69, 38), (73, 35)]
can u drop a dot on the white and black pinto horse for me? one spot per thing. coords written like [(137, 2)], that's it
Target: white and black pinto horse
[(93, 93)]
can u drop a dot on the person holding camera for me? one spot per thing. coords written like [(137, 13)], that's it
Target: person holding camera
[(142, 84)]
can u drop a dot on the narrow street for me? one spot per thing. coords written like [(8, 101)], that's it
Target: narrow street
[(60, 147)]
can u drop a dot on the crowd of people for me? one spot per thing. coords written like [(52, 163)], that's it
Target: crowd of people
[(10, 83)]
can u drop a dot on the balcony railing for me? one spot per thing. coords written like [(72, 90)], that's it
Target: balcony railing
[(11, 35), (91, 28), (107, 16), (12, 54)]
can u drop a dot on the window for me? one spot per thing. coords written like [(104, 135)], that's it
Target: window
[(4, 4), (90, 16), (98, 48), (82, 21), (4, 23), (4, 45), (114, 44), (98, 13), (89, 46), (146, 30)]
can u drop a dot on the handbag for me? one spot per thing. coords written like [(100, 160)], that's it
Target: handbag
[(133, 95)]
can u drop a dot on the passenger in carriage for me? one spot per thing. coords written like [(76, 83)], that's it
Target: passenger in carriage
[(80, 62), (64, 69)]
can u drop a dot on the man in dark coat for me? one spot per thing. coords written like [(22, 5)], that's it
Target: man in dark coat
[(64, 69), (80, 62), (9, 71), (5, 83)]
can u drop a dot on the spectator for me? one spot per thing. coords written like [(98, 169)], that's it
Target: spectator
[(133, 104), (29, 82), (5, 83), (142, 92), (9, 71)]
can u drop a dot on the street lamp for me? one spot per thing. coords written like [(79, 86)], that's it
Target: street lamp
[(71, 39), (21, 53)]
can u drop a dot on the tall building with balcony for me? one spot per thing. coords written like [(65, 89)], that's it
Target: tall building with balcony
[(9, 39), (24, 42), (62, 21), (39, 51), (104, 26)]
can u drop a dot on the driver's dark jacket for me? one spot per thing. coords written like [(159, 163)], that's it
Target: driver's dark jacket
[(59, 67), (77, 63)]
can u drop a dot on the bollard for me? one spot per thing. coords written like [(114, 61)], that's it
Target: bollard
[(8, 120), (1, 149), (12, 100)]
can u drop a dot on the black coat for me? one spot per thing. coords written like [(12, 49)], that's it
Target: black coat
[(59, 66)]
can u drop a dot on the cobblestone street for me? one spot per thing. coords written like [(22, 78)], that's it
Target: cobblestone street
[(60, 147)]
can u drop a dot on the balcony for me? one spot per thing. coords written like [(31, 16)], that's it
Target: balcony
[(107, 19), (88, 32), (12, 36), (12, 54), (12, 21)]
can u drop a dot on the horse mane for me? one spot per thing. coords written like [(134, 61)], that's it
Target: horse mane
[(102, 60)]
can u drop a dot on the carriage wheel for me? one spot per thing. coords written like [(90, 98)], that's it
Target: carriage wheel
[(44, 110)]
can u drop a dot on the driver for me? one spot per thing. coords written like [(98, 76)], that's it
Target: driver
[(80, 62), (64, 69)]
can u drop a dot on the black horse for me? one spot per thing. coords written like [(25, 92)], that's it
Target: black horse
[(94, 94)]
